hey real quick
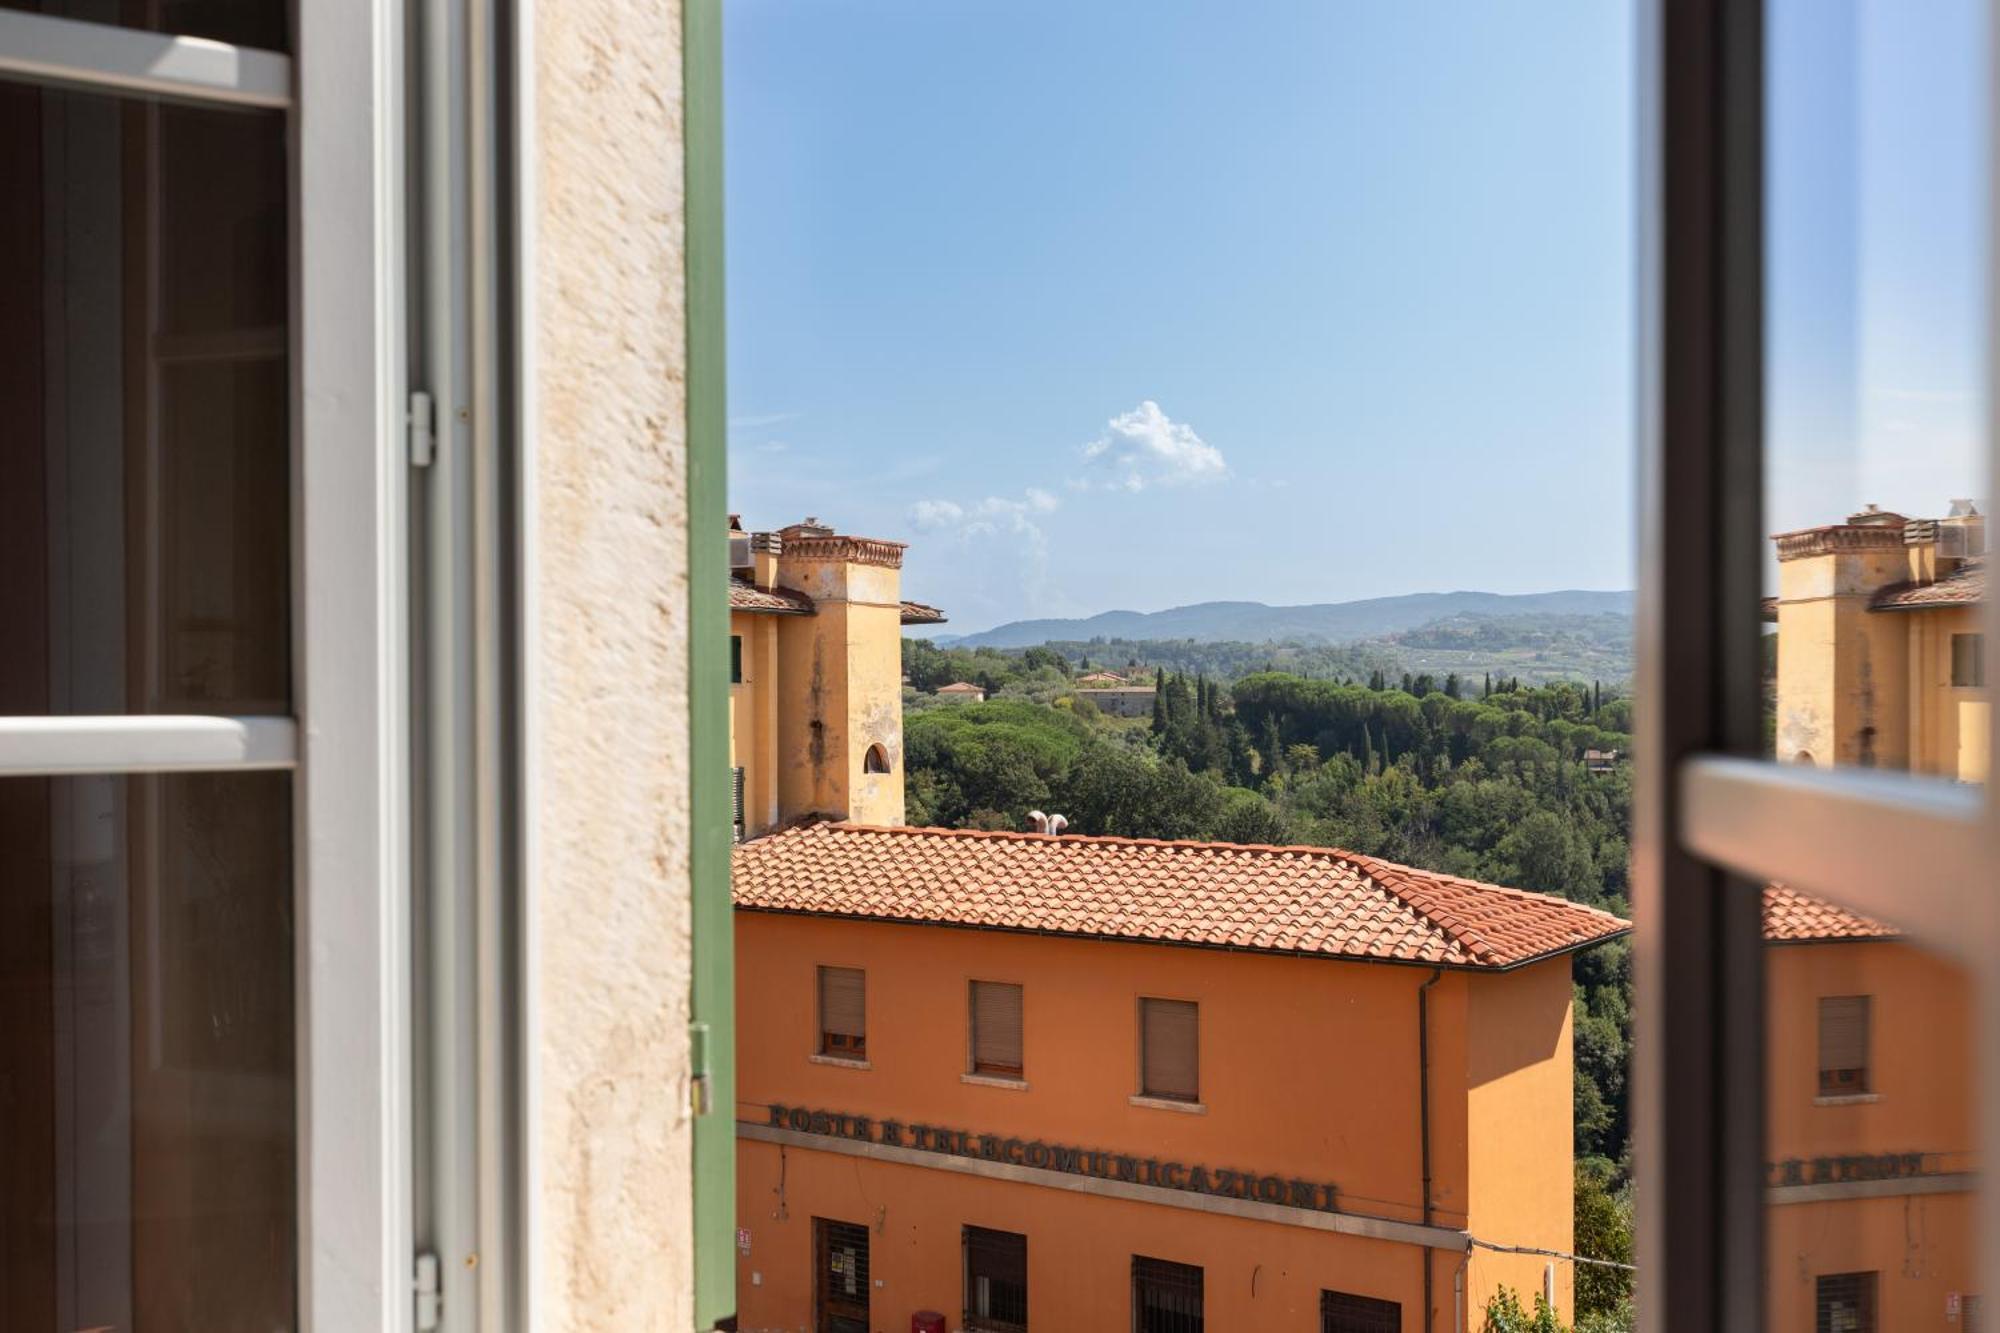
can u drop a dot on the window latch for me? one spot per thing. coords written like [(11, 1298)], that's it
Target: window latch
[(423, 430), (430, 1293), (701, 1085)]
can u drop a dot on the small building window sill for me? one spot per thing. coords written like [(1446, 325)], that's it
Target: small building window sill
[(1169, 1104), (1849, 1099), (995, 1081), (840, 1061)]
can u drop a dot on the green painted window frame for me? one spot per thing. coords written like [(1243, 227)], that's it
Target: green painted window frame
[(736, 659), (712, 1001)]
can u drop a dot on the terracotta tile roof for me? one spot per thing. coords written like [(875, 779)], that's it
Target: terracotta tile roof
[(1297, 900), (1791, 917), (916, 613), (773, 601), (961, 687), (1964, 586)]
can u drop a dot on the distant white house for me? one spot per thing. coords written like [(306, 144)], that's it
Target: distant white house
[(962, 690)]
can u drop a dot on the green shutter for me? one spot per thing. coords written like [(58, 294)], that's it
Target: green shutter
[(713, 1001)]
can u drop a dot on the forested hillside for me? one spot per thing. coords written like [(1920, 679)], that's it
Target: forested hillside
[(1470, 777)]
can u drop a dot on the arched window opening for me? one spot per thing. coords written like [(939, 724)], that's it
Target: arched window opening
[(876, 760)]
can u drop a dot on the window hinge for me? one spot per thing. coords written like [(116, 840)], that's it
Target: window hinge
[(423, 437), (430, 1296), (701, 1087)]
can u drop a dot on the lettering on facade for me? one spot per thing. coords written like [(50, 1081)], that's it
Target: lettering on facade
[(1223, 1182), (1847, 1169)]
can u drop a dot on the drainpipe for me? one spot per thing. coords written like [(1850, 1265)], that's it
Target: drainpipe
[(1424, 1118)]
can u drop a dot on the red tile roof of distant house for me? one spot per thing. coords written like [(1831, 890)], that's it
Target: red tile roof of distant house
[(745, 596), (1964, 586), (961, 687), (1791, 917), (1313, 901), (916, 613)]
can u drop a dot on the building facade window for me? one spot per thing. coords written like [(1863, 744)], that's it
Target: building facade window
[(1340, 1312), (736, 659), (1166, 1296), (1843, 1045), (1968, 660), (840, 1295), (1844, 1303), (1170, 1050), (996, 1029), (876, 760), (843, 1013), (996, 1281)]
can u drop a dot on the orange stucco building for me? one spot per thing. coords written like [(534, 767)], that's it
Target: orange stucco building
[(1870, 1156), (1870, 1127), (1025, 1080)]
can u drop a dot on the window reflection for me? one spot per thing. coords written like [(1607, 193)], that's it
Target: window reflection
[(147, 1137), (1870, 1136), (260, 23), (144, 459)]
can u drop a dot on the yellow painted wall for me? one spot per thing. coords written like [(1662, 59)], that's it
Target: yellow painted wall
[(1940, 740), (753, 719), (1921, 1100), (1842, 676), (1308, 1068)]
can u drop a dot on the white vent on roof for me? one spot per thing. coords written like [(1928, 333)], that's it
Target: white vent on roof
[(739, 551)]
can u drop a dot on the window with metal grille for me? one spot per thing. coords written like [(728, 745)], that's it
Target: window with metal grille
[(1340, 1312), (736, 801), (996, 1028), (843, 1012), (1843, 1045), (996, 1281), (1844, 1303), (736, 659), (841, 1294), (1169, 1064), (1968, 659), (1166, 1296)]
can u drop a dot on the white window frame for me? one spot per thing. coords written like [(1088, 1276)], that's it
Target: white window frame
[(1712, 822), (347, 741)]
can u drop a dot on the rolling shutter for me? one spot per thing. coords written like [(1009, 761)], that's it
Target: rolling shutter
[(1169, 1039), (1843, 1043), (996, 1027), (842, 1009)]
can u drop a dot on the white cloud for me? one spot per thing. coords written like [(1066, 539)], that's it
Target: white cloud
[(1144, 447), (993, 514), (931, 515)]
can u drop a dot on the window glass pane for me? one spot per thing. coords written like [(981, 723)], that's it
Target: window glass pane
[(262, 23), (1876, 488), (147, 1141), (144, 463), (1869, 1143)]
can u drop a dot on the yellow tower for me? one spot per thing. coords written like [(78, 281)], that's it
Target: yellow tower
[(816, 703), (1880, 663), (840, 678)]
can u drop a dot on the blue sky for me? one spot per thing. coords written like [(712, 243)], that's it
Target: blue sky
[(1134, 305)]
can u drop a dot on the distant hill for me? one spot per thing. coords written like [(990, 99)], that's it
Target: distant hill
[(1330, 622)]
